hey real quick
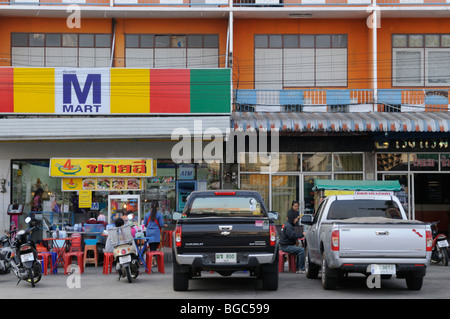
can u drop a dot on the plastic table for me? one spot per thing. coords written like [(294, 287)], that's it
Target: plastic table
[(141, 250), (60, 248)]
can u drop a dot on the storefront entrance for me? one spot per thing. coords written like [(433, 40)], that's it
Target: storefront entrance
[(295, 176), (425, 179), (298, 187), (406, 196)]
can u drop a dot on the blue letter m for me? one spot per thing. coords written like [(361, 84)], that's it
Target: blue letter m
[(91, 80)]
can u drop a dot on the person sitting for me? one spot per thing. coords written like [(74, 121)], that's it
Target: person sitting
[(101, 219), (289, 240)]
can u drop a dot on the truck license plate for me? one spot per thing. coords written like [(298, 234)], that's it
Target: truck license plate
[(382, 269), (225, 257)]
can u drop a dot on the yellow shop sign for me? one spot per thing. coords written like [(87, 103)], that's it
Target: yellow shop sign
[(104, 167)]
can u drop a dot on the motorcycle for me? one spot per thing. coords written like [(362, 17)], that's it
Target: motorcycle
[(6, 253), (24, 259), (125, 253), (440, 246)]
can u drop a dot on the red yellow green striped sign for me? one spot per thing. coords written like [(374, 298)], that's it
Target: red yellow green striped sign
[(114, 91)]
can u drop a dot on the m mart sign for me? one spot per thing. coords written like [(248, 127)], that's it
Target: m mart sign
[(92, 91), (79, 91)]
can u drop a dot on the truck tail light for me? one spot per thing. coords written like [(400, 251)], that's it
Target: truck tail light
[(225, 193), (178, 236), (273, 235), (429, 241), (335, 240)]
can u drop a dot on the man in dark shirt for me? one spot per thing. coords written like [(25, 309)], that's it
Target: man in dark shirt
[(289, 240)]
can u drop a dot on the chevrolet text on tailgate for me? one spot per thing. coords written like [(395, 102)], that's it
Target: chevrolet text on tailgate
[(225, 231), (369, 235)]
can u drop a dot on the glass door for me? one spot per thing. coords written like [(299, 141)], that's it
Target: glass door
[(307, 204), (285, 189), (406, 194)]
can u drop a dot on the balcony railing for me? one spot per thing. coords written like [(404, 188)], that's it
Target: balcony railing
[(338, 100), (223, 3)]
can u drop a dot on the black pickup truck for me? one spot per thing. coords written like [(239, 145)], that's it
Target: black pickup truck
[(225, 231)]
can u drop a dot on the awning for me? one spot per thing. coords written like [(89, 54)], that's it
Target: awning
[(59, 128), (342, 185), (342, 122)]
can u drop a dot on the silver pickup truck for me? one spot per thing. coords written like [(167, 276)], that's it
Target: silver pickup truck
[(365, 234)]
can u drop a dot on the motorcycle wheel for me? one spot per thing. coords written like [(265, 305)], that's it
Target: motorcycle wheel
[(128, 272), (444, 253), (134, 268), (34, 274), (435, 257)]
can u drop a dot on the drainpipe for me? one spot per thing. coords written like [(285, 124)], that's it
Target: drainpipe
[(228, 44), (113, 44), (229, 53), (375, 18)]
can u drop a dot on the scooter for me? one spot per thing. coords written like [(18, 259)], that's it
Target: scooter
[(440, 246), (125, 253)]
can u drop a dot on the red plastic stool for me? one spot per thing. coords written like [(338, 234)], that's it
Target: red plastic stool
[(68, 259), (108, 260), (159, 259), (167, 238), (290, 258), (46, 260)]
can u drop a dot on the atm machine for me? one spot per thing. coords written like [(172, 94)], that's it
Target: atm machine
[(184, 189)]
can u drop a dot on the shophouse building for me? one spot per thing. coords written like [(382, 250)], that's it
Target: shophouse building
[(353, 90)]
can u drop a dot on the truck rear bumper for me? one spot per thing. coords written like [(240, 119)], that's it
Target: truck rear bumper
[(207, 261), (418, 269), (400, 262)]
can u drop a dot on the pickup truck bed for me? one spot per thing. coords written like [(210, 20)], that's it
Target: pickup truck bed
[(225, 231)]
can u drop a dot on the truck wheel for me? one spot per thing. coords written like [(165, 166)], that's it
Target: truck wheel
[(270, 275), (179, 275), (180, 281), (328, 282), (311, 270), (413, 282)]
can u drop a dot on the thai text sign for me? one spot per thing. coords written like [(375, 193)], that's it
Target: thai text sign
[(85, 199), (105, 167)]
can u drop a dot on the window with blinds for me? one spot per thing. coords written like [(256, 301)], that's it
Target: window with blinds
[(420, 59), (300, 60), (193, 51), (60, 50)]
